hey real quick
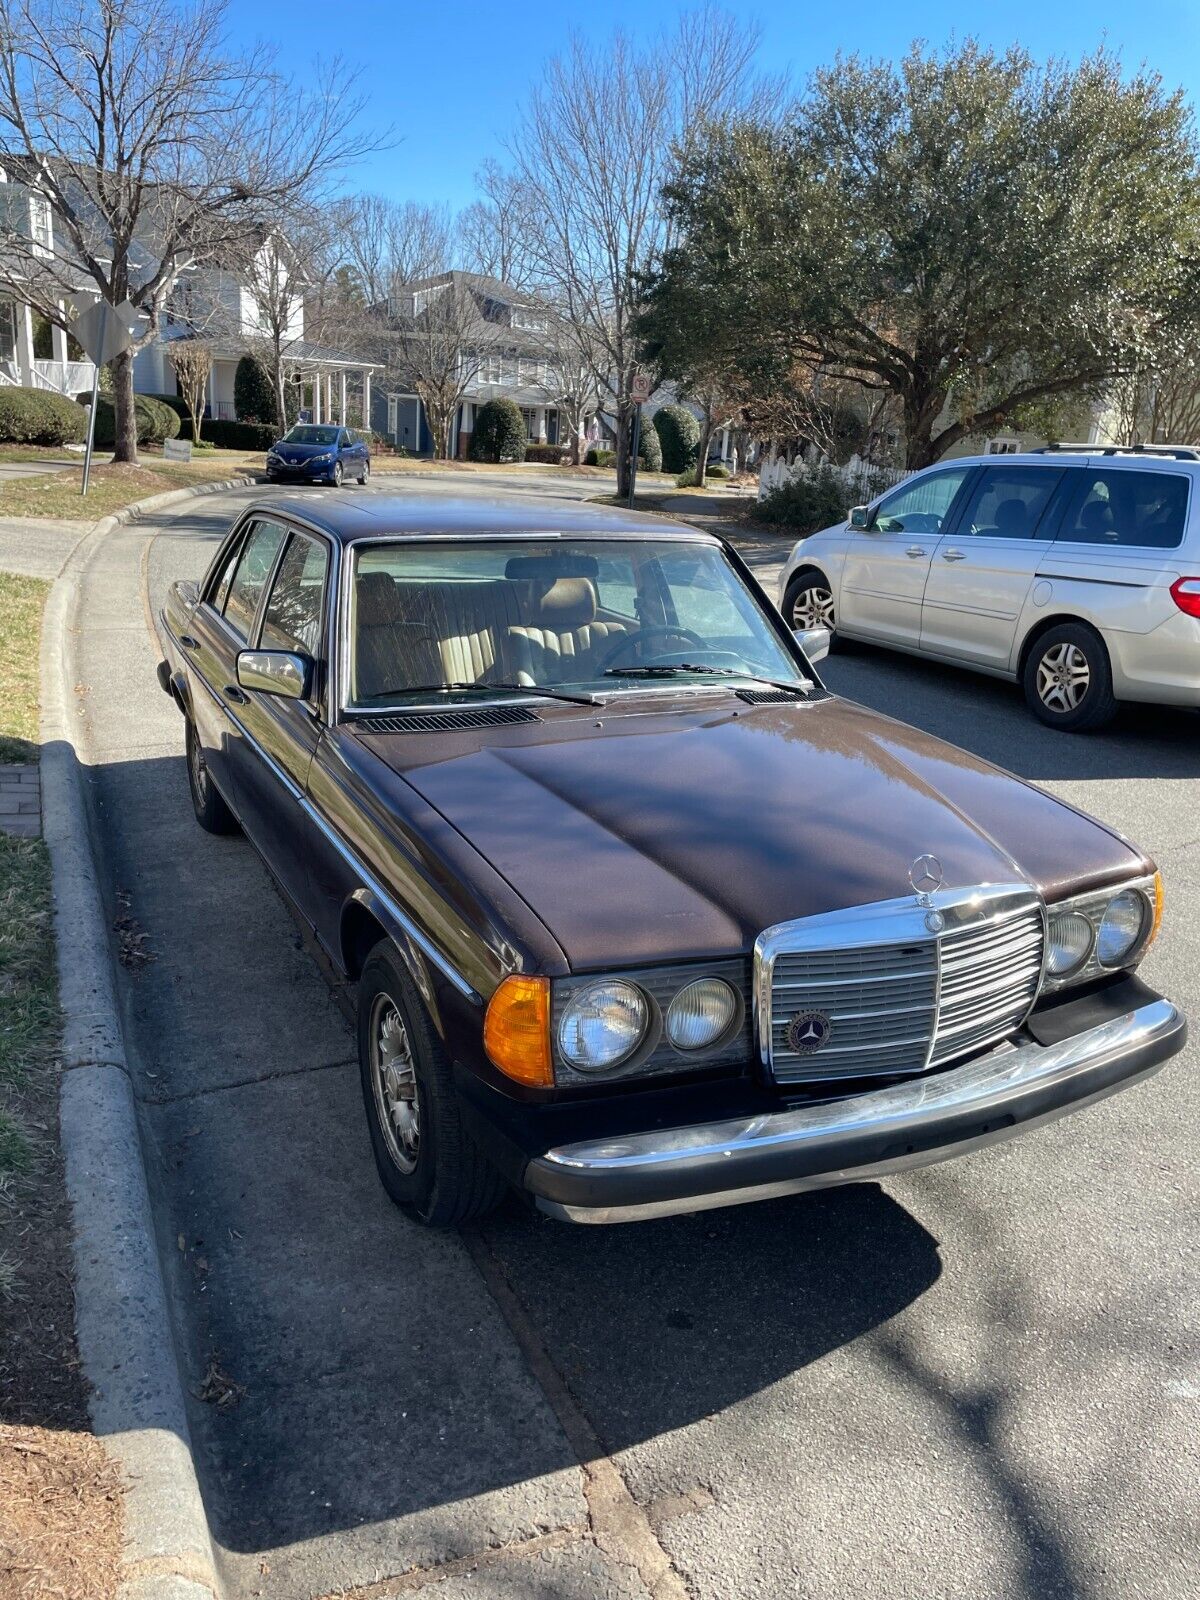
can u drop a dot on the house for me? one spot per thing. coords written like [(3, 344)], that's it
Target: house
[(35, 353), (257, 307), (507, 346)]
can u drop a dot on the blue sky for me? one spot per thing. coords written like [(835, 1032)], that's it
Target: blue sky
[(451, 78)]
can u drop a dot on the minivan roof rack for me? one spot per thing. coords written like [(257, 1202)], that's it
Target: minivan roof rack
[(1175, 452)]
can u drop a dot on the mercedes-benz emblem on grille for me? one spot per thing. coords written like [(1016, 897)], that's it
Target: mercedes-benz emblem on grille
[(926, 877), (808, 1031)]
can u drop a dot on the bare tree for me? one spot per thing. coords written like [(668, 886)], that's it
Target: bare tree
[(494, 232), (386, 243), (571, 361), (271, 268), (592, 153), (439, 340), (155, 147), (191, 361)]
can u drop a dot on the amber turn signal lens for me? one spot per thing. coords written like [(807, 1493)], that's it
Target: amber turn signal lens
[(516, 1031), (1158, 910)]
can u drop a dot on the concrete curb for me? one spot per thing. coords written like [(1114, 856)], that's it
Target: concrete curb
[(125, 1341)]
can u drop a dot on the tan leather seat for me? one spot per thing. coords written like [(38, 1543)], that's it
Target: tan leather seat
[(395, 646), (559, 636)]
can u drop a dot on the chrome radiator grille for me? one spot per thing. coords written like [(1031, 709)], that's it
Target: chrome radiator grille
[(912, 999)]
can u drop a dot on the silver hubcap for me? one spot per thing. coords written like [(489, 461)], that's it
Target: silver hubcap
[(813, 608), (394, 1082), (337, 472), (1063, 677), (198, 768)]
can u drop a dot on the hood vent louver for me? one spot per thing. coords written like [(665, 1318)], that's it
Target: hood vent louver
[(769, 697), (445, 721)]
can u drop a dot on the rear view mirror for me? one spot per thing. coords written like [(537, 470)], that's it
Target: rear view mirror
[(275, 672), (814, 642), (860, 516)]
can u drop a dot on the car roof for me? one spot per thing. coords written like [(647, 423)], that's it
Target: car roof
[(350, 517), (1109, 455)]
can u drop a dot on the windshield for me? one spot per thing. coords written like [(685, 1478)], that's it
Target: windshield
[(306, 433), (589, 615)]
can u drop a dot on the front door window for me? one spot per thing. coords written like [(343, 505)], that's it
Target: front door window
[(921, 505)]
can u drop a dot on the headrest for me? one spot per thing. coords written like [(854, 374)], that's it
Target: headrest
[(378, 600), (1010, 514), (568, 603)]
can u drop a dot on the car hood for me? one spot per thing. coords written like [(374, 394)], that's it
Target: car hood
[(302, 452), (668, 834)]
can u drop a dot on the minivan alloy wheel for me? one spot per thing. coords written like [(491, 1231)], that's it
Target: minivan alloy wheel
[(394, 1081), (1063, 676), (812, 607)]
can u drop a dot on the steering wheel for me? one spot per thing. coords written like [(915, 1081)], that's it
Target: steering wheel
[(634, 641)]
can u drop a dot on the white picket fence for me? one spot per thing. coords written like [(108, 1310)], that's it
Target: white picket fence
[(863, 479)]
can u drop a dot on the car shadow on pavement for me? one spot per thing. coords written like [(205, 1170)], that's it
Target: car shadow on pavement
[(989, 717)]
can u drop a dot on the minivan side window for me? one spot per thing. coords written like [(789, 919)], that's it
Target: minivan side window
[(253, 570), (1009, 502), (1115, 508), (920, 506)]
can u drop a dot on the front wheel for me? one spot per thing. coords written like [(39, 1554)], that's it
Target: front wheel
[(1068, 680), (336, 474), (365, 473), (212, 813), (426, 1159), (808, 602)]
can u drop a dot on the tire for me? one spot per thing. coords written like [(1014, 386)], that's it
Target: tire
[(336, 475), (212, 813), (429, 1164), (809, 596), (365, 473), (1068, 680)]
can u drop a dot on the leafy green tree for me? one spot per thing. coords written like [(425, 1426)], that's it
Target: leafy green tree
[(965, 231), (253, 392), (679, 435), (499, 432)]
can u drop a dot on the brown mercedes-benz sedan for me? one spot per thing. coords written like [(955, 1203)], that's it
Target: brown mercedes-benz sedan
[(639, 917)]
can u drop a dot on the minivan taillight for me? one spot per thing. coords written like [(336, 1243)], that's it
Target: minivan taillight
[(1186, 594)]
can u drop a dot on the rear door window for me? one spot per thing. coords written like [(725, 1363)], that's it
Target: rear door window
[(292, 619), (253, 570), (1009, 502), (1114, 508)]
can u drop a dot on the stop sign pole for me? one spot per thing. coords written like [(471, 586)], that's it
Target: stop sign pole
[(104, 331)]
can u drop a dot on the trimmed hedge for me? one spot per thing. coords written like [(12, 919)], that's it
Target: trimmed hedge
[(679, 435), (177, 404), (650, 456), (253, 392), (154, 420), (499, 432), (716, 471), (39, 416), (600, 458), (553, 453), (239, 435)]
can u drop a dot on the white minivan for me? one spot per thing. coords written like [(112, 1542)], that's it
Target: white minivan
[(1074, 570)]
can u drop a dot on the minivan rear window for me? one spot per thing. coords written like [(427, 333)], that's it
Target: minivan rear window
[(1117, 508)]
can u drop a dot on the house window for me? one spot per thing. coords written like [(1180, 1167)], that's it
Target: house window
[(527, 371), (529, 417), (8, 331), (40, 227), (392, 415), (491, 369), (524, 317), (1003, 447)]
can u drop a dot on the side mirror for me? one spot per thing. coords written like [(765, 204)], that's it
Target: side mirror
[(275, 672), (860, 516), (814, 642)]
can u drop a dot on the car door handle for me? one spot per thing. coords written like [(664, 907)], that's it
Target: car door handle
[(232, 692), (915, 551), (188, 642), (954, 555)]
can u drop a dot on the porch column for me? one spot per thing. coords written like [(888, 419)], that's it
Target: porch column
[(366, 394), (58, 341), (342, 386), (329, 397), (316, 389), (25, 345)]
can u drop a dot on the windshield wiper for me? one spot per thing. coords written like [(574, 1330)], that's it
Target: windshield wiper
[(503, 688), (800, 686)]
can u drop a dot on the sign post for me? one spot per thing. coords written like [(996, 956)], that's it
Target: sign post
[(639, 391), (104, 331)]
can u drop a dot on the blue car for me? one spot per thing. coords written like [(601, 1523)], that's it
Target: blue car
[(319, 450)]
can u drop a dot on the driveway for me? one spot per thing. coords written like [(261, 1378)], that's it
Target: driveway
[(979, 1380)]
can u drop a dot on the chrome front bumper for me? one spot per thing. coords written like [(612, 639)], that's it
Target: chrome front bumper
[(891, 1129)]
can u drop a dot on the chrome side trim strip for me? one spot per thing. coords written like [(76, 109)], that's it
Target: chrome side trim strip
[(367, 877)]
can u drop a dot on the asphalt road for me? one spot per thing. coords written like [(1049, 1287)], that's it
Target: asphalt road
[(979, 1380)]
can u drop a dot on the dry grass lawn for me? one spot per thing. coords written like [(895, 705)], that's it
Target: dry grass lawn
[(110, 487), (21, 603)]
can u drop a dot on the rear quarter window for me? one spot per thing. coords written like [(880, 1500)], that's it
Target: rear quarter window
[(1112, 509)]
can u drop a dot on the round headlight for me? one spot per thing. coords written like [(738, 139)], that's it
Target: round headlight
[(1070, 943), (700, 1014), (601, 1025), (1120, 928)]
